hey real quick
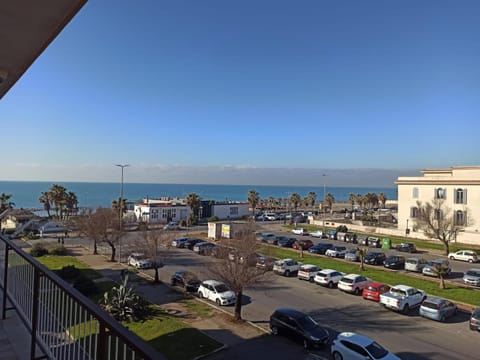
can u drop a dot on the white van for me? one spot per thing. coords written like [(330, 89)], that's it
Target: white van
[(52, 227)]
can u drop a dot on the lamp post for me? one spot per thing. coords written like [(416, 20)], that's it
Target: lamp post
[(407, 230), (122, 166), (323, 202)]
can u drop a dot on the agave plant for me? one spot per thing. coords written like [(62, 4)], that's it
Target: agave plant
[(123, 303)]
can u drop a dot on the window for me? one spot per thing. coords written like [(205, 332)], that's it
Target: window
[(460, 217), (414, 212), (460, 196), (415, 193), (234, 210), (355, 348), (439, 193)]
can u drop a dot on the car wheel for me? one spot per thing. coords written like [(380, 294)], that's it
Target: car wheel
[(330, 285), (287, 273), (470, 261), (218, 302), (311, 279), (275, 330), (305, 344), (406, 309), (200, 295), (442, 319), (337, 356), (357, 291), (452, 258)]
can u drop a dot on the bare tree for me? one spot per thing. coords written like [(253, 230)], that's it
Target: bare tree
[(437, 221), (149, 243), (238, 270), (101, 225)]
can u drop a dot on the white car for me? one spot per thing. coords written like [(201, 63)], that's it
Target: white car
[(328, 277), (180, 242), (173, 225), (352, 346), (336, 251), (353, 283), (464, 255), (308, 272), (300, 231), (139, 261), (217, 291), (317, 233)]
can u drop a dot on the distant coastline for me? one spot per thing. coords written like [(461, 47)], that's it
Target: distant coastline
[(25, 194)]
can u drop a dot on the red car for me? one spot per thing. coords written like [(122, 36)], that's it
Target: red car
[(306, 244), (374, 290)]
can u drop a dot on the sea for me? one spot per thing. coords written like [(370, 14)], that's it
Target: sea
[(25, 194)]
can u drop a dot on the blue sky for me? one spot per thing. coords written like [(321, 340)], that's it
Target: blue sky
[(249, 92)]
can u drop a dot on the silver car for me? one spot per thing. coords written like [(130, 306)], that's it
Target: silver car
[(415, 264), (352, 255), (431, 268), (436, 308), (472, 277)]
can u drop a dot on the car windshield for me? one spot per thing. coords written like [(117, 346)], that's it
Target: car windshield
[(221, 288), (376, 350), (347, 280), (430, 305), (138, 257), (412, 261), (372, 288), (473, 272), (307, 323)]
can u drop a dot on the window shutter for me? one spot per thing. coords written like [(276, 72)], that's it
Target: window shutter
[(464, 196), (465, 218)]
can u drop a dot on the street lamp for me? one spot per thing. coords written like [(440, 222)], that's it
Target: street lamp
[(323, 202), (122, 166)]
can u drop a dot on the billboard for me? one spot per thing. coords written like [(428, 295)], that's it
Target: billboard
[(226, 231)]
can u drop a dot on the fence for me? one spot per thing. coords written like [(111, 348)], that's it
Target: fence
[(63, 323)]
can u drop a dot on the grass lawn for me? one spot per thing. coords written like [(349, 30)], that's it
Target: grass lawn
[(200, 309), (54, 263), (452, 292)]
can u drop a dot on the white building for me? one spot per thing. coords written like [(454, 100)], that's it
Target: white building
[(162, 211), (230, 210), (459, 186)]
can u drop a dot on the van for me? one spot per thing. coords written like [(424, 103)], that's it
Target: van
[(52, 227), (415, 264)]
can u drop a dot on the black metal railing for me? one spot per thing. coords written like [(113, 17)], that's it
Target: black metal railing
[(63, 323)]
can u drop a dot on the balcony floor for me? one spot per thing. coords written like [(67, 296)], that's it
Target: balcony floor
[(14, 338)]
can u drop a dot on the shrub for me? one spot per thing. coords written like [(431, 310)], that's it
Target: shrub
[(183, 223), (342, 228), (213, 219), (85, 285), (69, 272), (58, 250), (38, 250)]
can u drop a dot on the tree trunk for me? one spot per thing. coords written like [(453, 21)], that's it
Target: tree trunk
[(442, 282), (95, 249), (238, 306), (114, 251), (446, 244), (362, 267), (157, 279)]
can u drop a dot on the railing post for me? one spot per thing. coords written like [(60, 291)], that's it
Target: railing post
[(5, 278), (101, 342), (36, 286)]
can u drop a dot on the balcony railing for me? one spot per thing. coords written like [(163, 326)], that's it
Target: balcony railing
[(62, 322)]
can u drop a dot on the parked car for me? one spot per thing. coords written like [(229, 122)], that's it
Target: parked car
[(394, 262), (286, 267), (374, 290), (298, 326), (362, 240), (191, 242), (51, 227), (332, 234), (336, 251), (464, 255), (351, 238), (172, 225), (352, 346), (139, 261), (415, 264), (436, 308), (216, 291), (263, 237), (317, 233), (272, 240), (406, 247), (352, 255), (300, 231), (402, 298), (187, 280), (374, 258), (374, 242), (353, 283), (328, 277), (308, 272), (265, 263), (472, 277), (431, 268), (179, 242), (204, 248), (286, 242), (305, 244), (341, 236), (320, 248), (475, 320)]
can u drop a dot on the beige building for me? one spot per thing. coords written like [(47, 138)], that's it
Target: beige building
[(458, 186)]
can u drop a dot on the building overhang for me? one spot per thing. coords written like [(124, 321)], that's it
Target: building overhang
[(27, 27)]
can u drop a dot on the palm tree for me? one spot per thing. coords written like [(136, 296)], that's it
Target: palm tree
[(193, 202), (352, 198), (120, 204), (382, 198), (5, 203), (329, 200), (45, 199), (311, 197), (295, 199), (253, 199)]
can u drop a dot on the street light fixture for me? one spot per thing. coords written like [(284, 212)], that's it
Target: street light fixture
[(122, 166), (323, 202)]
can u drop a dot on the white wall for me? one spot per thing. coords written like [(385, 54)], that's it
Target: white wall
[(230, 211)]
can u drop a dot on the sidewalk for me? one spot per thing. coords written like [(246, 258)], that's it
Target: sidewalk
[(219, 327)]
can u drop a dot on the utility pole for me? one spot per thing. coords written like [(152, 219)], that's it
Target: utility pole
[(122, 166), (323, 202)]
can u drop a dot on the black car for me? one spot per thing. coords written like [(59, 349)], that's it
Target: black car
[(191, 242), (320, 248), (375, 258), (394, 262), (475, 320), (298, 326), (286, 242), (406, 247), (273, 240), (187, 280), (374, 242)]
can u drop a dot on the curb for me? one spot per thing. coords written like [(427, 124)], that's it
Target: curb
[(224, 347)]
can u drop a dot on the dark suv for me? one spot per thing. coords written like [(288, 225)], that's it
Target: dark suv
[(394, 262), (406, 247), (375, 258), (187, 280), (298, 326), (320, 248)]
